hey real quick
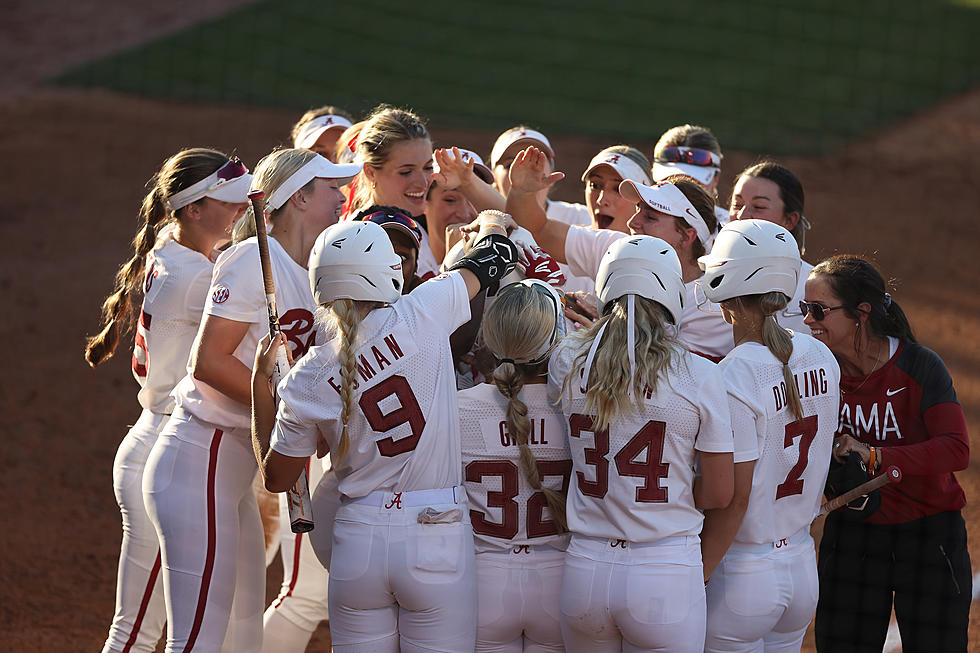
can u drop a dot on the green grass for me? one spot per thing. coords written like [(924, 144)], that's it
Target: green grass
[(766, 75)]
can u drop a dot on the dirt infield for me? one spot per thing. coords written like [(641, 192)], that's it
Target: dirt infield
[(74, 165)]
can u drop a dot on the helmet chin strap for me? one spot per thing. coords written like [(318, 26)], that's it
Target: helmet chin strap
[(631, 340), (587, 369)]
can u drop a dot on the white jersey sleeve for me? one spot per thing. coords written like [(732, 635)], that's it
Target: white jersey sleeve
[(791, 317), (504, 509), (237, 293), (584, 249), (634, 481), (174, 290), (794, 454), (404, 429), (571, 214), (703, 329)]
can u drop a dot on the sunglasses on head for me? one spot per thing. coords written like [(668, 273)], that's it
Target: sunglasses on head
[(818, 311), (689, 155), (231, 170), (385, 217)]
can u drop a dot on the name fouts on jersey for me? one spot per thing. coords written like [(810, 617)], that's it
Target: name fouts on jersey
[(175, 288), (237, 294), (404, 429), (635, 481), (794, 454), (504, 509)]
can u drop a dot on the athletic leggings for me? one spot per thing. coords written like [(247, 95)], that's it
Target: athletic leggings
[(924, 562)]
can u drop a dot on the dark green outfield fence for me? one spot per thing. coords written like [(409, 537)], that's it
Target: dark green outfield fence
[(781, 76)]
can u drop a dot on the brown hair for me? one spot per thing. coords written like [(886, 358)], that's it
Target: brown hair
[(313, 114), (518, 323), (703, 204), (177, 173), (689, 136), (384, 128), (790, 192)]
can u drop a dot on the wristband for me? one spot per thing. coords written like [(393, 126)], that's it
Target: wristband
[(872, 459)]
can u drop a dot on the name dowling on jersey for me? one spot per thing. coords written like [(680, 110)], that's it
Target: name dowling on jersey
[(811, 383)]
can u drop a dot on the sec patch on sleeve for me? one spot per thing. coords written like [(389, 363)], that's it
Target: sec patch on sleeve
[(220, 294)]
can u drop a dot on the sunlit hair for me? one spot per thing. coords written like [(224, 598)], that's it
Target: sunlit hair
[(386, 127), (516, 326), (313, 114), (790, 192), (341, 319), (657, 352), (689, 136), (776, 338), (177, 173), (270, 173), (855, 281), (703, 204)]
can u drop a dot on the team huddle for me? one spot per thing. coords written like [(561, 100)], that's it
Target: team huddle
[(525, 425)]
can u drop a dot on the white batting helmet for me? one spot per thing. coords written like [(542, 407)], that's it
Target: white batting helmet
[(355, 260), (644, 266), (751, 257)]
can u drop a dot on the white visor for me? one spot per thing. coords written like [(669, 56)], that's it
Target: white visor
[(624, 166), (507, 139), (312, 130), (702, 174), (317, 168), (668, 198), (479, 167), (229, 183)]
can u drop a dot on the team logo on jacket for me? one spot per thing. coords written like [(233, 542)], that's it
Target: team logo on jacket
[(220, 294)]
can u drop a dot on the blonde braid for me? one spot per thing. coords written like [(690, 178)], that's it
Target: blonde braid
[(780, 343), (348, 319)]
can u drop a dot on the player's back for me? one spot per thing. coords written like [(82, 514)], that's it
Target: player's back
[(794, 454), (505, 509), (634, 481), (404, 429)]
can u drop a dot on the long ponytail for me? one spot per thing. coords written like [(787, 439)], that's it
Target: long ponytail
[(780, 343)]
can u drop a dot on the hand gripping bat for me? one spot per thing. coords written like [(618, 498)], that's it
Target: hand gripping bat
[(892, 475)]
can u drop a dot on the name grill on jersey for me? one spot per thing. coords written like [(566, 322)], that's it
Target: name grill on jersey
[(811, 383), (365, 369)]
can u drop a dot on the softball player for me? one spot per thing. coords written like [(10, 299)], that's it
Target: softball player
[(320, 129), (382, 393), (693, 151), (898, 407), (633, 577), (396, 150), (516, 470), (769, 191), (678, 211), (198, 480), (195, 198), (784, 394)]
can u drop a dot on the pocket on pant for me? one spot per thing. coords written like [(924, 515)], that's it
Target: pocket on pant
[(352, 546), (438, 551), (658, 594), (751, 586), (159, 471)]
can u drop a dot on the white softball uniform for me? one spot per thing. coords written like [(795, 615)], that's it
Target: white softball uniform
[(198, 481), (763, 594), (174, 290), (402, 567), (519, 549), (572, 214), (633, 572), (702, 330), (791, 317)]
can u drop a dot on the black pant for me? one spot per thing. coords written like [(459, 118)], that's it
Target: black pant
[(924, 563)]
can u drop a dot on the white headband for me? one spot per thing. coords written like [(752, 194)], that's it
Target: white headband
[(317, 167), (229, 183), (311, 131), (624, 166), (668, 198)]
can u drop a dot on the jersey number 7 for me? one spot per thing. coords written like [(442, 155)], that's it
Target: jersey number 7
[(806, 430)]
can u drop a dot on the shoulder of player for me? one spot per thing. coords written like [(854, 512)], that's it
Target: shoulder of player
[(246, 249)]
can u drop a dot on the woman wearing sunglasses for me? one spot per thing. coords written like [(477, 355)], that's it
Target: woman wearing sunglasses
[(898, 407), (677, 210), (516, 470), (784, 396), (194, 200), (769, 191), (198, 480), (694, 151)]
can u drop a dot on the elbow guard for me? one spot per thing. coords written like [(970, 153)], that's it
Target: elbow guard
[(490, 259)]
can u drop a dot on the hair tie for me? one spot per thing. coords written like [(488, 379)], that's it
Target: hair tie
[(508, 360), (888, 301)]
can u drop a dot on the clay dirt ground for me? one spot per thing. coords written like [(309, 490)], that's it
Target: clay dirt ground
[(73, 168)]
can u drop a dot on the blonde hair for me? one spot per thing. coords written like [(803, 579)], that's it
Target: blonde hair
[(518, 324), (341, 319), (313, 114), (608, 386), (177, 173), (385, 127), (270, 173)]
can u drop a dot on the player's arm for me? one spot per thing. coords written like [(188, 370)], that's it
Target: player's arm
[(213, 358), (527, 179), (721, 524), (457, 174), (491, 256), (279, 472), (716, 485)]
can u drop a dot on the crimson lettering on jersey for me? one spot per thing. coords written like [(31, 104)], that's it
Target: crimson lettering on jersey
[(535, 436), (365, 370), (141, 355), (536, 525), (295, 323), (810, 383)]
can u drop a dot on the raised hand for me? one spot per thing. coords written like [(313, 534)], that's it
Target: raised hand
[(529, 174)]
